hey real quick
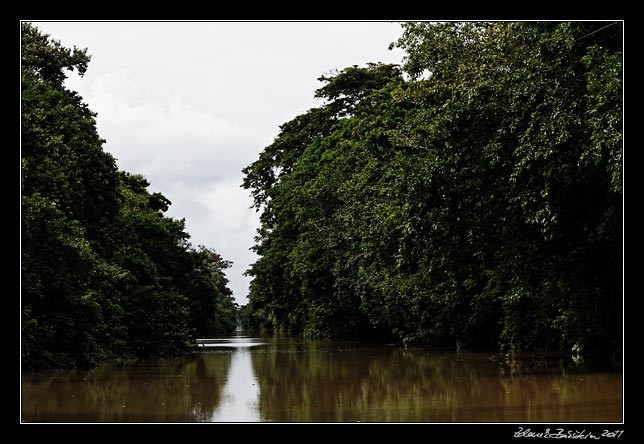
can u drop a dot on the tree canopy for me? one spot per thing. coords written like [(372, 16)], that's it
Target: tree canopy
[(471, 197), (105, 274)]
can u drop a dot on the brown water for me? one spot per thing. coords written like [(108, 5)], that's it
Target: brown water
[(245, 379)]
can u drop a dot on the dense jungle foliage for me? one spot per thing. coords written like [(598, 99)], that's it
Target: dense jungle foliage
[(105, 274), (471, 197)]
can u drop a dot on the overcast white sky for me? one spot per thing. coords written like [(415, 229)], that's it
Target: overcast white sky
[(189, 104)]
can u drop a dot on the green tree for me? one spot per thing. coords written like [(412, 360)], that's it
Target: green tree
[(300, 242), (212, 308), (476, 204), (63, 170), (105, 274)]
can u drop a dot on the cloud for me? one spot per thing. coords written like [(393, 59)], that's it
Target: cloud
[(191, 156), (218, 216), (162, 137), (189, 104)]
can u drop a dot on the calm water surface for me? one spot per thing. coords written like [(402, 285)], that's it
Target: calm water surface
[(247, 379)]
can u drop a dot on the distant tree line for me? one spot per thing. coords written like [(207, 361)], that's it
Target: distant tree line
[(470, 198), (105, 274)]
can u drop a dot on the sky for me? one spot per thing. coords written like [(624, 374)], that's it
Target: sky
[(189, 104)]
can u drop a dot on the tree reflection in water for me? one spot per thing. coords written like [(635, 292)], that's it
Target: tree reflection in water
[(286, 380), (331, 382), (167, 390)]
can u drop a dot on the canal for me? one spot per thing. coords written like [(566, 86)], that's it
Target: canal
[(250, 379)]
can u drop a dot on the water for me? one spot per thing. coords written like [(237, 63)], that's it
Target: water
[(246, 379)]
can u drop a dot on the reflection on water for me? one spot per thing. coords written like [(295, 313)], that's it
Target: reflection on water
[(327, 382), (240, 400), (246, 379), (169, 390)]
